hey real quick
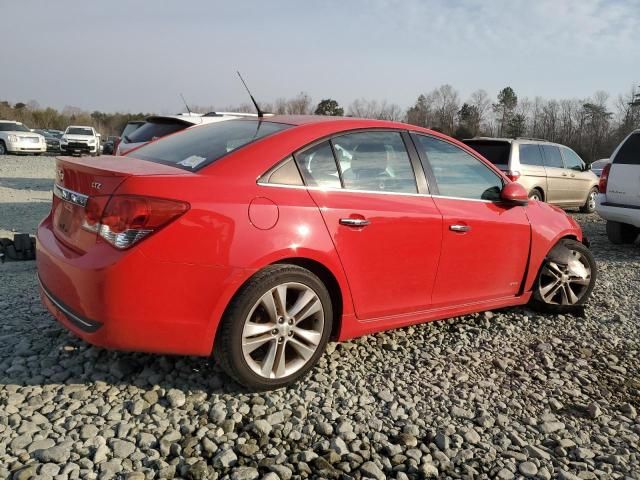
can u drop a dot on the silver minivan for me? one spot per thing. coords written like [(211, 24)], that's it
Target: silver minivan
[(550, 172)]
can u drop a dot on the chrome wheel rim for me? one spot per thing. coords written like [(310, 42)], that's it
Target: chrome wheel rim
[(283, 330), (565, 284), (591, 203), (534, 196)]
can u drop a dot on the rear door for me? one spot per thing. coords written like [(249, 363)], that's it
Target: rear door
[(579, 180), (386, 233), (485, 244), (532, 170), (557, 191), (623, 186)]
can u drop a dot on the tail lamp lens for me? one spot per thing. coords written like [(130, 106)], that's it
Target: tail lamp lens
[(123, 220), (513, 175), (604, 178)]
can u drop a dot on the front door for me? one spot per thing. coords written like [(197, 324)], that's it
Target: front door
[(485, 244), (557, 175), (386, 234), (580, 180)]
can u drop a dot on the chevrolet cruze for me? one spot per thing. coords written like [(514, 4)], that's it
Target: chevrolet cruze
[(259, 240)]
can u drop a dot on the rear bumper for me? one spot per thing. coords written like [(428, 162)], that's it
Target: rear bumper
[(131, 301), (629, 214)]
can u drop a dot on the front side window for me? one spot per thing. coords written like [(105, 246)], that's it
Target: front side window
[(375, 161), (530, 155), (457, 173), (552, 157), (629, 153), (318, 166), (200, 146), (572, 160)]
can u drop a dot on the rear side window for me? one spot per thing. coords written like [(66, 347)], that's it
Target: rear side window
[(285, 174), (200, 146), (457, 173), (629, 153), (129, 128), (552, 157), (318, 166), (530, 155), (152, 130), (495, 151), (375, 161), (572, 160)]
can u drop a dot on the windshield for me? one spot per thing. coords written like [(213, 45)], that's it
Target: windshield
[(196, 147), (13, 127), (79, 131), (155, 129), (496, 152)]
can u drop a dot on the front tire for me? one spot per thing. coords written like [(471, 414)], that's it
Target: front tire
[(621, 233), (275, 329), (566, 278), (590, 204), (3, 148)]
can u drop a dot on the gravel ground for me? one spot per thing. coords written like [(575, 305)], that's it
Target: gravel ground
[(505, 394)]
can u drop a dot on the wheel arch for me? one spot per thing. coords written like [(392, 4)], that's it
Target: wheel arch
[(541, 191)]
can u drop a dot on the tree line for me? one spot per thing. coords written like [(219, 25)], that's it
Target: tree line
[(592, 126)]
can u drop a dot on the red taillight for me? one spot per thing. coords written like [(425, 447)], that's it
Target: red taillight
[(513, 175), (604, 178), (123, 220)]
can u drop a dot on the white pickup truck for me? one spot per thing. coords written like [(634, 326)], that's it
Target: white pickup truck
[(78, 140)]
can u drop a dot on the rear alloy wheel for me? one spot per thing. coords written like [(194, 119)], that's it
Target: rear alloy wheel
[(621, 233), (276, 328), (590, 204), (566, 278), (535, 195)]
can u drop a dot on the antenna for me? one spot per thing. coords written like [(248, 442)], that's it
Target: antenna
[(185, 104), (260, 112)]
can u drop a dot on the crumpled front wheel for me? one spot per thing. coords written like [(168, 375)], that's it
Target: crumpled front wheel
[(566, 278)]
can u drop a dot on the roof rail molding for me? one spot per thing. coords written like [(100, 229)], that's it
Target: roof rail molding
[(532, 138)]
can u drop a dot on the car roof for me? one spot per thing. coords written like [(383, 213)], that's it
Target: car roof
[(515, 140), (195, 118), (79, 126), (10, 121)]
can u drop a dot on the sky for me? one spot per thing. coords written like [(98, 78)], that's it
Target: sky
[(139, 55)]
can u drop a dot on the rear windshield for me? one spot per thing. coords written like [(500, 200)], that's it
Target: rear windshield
[(496, 152), (79, 131), (200, 146), (130, 128), (629, 153), (154, 129)]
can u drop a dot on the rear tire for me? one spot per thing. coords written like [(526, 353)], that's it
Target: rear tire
[(566, 278), (590, 204), (621, 233), (275, 329), (3, 148), (536, 194)]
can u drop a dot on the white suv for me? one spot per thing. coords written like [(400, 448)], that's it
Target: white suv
[(619, 199), (159, 126), (78, 139), (16, 138)]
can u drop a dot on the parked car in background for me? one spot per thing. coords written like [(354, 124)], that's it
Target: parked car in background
[(17, 138), (53, 142), (619, 199), (159, 126), (108, 145), (550, 172), (264, 242), (79, 140), (128, 129), (598, 166)]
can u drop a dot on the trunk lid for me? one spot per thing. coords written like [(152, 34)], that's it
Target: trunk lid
[(80, 182)]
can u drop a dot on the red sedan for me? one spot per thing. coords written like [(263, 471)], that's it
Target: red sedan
[(261, 239)]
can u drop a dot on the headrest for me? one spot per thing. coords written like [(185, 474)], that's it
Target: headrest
[(369, 156)]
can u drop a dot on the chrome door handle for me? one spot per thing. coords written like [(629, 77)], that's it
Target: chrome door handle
[(459, 228), (354, 222)]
